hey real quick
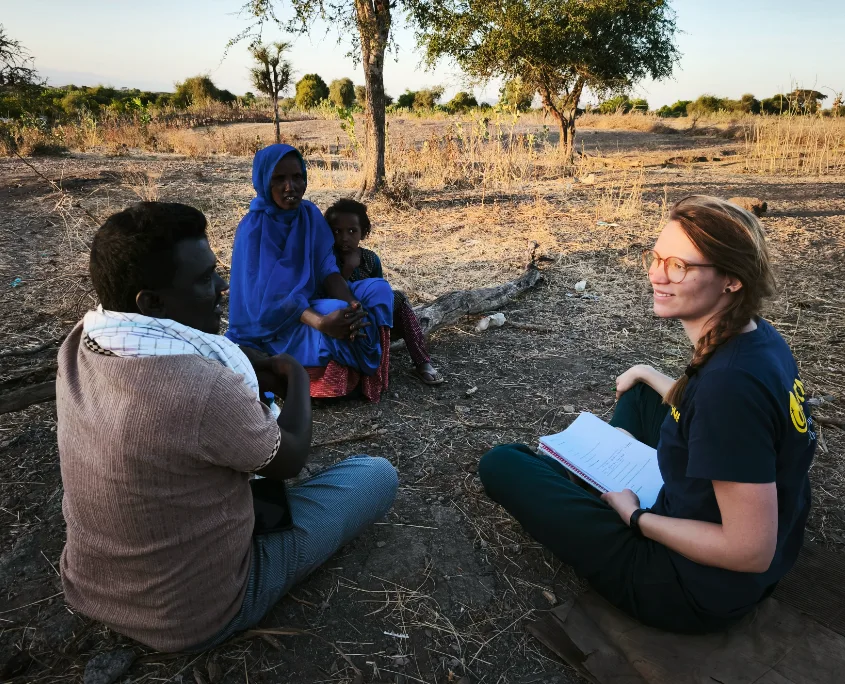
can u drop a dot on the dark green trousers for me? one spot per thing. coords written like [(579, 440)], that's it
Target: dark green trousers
[(633, 573)]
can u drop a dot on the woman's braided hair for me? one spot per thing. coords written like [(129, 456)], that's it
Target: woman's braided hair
[(734, 240)]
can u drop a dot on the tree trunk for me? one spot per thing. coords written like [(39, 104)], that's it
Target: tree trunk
[(276, 118), (374, 28), (565, 109), (27, 396), (453, 306)]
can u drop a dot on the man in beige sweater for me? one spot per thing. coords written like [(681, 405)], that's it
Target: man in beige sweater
[(161, 426)]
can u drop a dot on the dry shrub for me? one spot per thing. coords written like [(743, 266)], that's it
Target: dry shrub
[(121, 137), (476, 154), (28, 141), (622, 197), (441, 246), (144, 181), (796, 145), (326, 172), (633, 121)]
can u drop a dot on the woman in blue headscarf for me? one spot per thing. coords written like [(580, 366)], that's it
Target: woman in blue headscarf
[(282, 257)]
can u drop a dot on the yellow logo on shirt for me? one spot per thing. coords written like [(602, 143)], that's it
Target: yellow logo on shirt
[(796, 408), (676, 414)]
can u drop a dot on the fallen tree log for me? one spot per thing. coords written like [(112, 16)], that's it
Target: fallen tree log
[(27, 376), (31, 350), (32, 394), (453, 306)]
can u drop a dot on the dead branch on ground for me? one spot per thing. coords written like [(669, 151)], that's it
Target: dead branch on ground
[(451, 307)]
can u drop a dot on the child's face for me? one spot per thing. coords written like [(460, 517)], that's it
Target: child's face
[(347, 232)]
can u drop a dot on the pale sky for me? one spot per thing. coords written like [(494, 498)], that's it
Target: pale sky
[(729, 47)]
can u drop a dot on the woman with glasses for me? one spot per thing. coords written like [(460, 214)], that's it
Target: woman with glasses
[(734, 444)]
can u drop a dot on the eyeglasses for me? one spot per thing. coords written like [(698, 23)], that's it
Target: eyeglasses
[(674, 267)]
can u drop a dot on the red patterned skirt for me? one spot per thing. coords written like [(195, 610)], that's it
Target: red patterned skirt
[(337, 381)]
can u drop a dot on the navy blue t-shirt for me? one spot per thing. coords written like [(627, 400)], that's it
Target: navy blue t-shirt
[(742, 419)]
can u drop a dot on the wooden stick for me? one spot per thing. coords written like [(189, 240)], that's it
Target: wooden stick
[(18, 378), (58, 188), (453, 306), (22, 398), (350, 438), (293, 631), (29, 350), (834, 422), (532, 327)]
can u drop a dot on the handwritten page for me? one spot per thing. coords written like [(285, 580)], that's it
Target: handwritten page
[(607, 458)]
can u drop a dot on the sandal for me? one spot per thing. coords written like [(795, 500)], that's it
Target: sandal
[(429, 378)]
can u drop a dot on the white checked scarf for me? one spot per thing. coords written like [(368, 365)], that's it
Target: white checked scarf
[(128, 334)]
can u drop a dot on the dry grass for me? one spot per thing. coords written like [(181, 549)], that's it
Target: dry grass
[(796, 145), (476, 153)]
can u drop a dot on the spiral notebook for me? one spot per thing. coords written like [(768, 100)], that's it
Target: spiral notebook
[(606, 458)]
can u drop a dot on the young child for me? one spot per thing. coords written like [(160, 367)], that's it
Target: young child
[(350, 224)]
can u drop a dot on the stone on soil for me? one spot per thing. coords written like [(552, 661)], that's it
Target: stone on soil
[(105, 668)]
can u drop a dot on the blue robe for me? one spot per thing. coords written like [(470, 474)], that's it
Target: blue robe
[(280, 259)]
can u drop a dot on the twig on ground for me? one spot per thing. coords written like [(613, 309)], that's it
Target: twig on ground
[(532, 327), (294, 631), (58, 188), (834, 422), (23, 398), (26, 605), (351, 438), (30, 350)]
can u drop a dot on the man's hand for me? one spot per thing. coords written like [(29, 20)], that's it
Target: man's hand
[(624, 503), (273, 373), (344, 323)]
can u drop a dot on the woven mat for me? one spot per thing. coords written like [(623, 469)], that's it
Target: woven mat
[(795, 637)]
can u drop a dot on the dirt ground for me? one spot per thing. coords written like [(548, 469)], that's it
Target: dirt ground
[(442, 589)]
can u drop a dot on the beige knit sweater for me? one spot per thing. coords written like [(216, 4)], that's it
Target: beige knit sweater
[(155, 454)]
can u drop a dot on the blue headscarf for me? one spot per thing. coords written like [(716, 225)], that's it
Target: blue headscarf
[(279, 259)]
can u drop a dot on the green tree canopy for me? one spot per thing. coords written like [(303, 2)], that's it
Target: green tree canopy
[(777, 104), (78, 100), (342, 93), (623, 104), (804, 101), (517, 94), (558, 47), (310, 91), (427, 98), (361, 96), (679, 108), (749, 104), (406, 99), (199, 89), (461, 102), (706, 104)]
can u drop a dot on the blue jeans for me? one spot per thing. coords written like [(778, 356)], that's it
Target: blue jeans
[(328, 510)]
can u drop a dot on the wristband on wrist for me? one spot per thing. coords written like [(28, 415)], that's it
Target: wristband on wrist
[(634, 522)]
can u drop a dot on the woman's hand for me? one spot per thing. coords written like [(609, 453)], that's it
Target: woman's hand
[(624, 503), (630, 378), (344, 323)]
